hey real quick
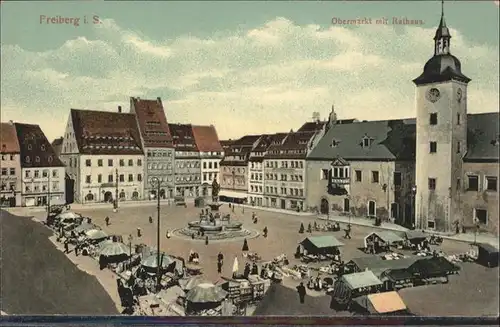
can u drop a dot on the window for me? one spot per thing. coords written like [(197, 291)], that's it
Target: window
[(458, 119), (29, 146), (473, 184), (11, 157), (110, 162), (99, 162), (28, 159), (12, 171), (432, 147), (397, 178), (45, 173), (122, 178), (55, 173), (27, 174), (139, 162), (458, 147), (433, 119), (122, 162), (375, 176), (130, 177), (491, 183), (37, 159), (130, 162), (4, 171), (359, 175), (88, 162), (37, 173), (324, 174), (110, 178), (366, 142), (139, 177), (481, 216), (432, 184), (99, 178), (87, 179), (215, 165), (431, 224), (204, 165)]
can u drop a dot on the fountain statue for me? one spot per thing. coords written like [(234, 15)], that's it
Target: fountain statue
[(215, 191)]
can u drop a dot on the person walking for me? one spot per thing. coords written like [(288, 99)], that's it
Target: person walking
[(66, 246), (150, 219), (302, 292), (348, 232), (265, 231), (107, 220)]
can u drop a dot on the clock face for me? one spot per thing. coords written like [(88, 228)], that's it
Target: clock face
[(459, 95), (433, 95)]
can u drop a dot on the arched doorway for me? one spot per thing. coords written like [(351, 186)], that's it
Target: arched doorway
[(347, 205), (135, 195), (122, 195), (108, 197), (162, 193), (152, 194), (89, 197), (324, 207)]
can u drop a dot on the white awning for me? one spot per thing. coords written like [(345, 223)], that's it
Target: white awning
[(233, 194)]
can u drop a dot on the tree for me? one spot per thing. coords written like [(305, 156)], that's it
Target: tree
[(301, 229), (245, 245)]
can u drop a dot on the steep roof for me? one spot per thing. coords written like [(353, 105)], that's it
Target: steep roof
[(152, 122), (8, 139), (206, 139), (483, 137), (105, 132), (36, 150), (390, 139), (183, 137), (294, 146), (247, 140), (57, 145), (312, 126)]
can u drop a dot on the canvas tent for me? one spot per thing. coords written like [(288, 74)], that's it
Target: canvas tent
[(352, 285), (378, 266), (487, 254), (433, 267), (414, 236), (321, 244), (387, 237), (380, 303)]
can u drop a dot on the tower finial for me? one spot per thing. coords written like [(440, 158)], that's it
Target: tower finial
[(442, 8)]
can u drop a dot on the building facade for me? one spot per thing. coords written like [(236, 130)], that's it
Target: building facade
[(211, 154), (43, 174), (234, 169), (103, 154), (158, 147), (256, 167), (285, 170), (187, 161), (10, 191)]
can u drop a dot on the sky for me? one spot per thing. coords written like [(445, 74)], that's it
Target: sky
[(245, 67)]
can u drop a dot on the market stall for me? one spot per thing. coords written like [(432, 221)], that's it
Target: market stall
[(353, 285), (432, 270), (205, 300), (319, 248), (414, 237), (487, 255), (387, 303), (381, 241), (396, 279)]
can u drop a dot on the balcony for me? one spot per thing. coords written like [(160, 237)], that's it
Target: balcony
[(340, 180)]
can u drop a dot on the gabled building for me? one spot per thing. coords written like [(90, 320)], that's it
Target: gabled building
[(43, 174), (256, 167), (10, 191), (211, 153), (187, 161), (285, 169), (158, 147), (57, 145), (234, 169), (103, 154)]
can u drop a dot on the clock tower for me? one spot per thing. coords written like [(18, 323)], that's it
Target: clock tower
[(441, 128)]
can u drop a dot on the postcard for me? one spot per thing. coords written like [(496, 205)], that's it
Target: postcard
[(224, 162)]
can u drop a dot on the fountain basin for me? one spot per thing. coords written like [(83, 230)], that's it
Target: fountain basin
[(233, 226), (211, 228), (194, 224)]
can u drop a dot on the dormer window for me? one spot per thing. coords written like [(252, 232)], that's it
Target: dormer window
[(335, 143), (28, 159), (42, 147), (29, 146), (37, 159), (49, 158), (367, 141)]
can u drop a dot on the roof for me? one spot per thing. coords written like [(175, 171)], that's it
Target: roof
[(488, 247), (247, 140), (386, 302), (325, 241), (312, 126), (390, 140), (206, 139), (373, 263), (106, 132), (264, 143), (36, 151), (294, 146), (432, 266), (413, 234), (361, 279), (8, 138), (386, 236), (183, 137), (483, 137), (57, 145), (152, 122)]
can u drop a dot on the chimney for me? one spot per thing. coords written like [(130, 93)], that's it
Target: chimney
[(120, 109), (11, 122), (158, 99)]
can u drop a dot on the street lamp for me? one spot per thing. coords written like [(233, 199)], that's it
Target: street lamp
[(234, 185), (130, 238), (156, 182), (412, 206), (115, 204), (48, 194), (476, 229)]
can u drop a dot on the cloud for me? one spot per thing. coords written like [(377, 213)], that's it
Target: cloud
[(265, 79)]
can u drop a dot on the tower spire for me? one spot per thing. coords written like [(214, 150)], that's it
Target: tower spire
[(442, 37)]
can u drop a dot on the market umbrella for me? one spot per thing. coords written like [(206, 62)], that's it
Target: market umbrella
[(68, 215), (114, 249), (206, 293), (103, 244), (84, 227), (151, 262), (188, 284), (95, 234), (235, 265)]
